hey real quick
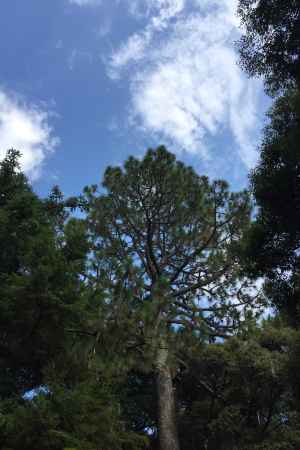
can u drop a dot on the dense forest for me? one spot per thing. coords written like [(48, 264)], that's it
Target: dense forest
[(160, 310)]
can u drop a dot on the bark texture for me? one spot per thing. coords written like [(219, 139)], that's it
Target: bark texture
[(168, 436)]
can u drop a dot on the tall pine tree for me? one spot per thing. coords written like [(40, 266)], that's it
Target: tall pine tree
[(164, 258)]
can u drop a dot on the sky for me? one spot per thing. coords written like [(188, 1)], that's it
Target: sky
[(86, 83)]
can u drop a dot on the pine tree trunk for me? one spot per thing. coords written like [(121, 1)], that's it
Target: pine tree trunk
[(168, 437)]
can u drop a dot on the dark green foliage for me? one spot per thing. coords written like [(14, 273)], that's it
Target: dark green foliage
[(164, 259), (40, 284), (45, 309), (238, 395), (162, 239), (274, 240), (139, 403), (151, 283), (270, 46), (86, 306), (276, 186), (84, 418)]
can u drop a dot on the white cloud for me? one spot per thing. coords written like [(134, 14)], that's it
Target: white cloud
[(160, 10), (185, 84), (135, 48), (25, 128)]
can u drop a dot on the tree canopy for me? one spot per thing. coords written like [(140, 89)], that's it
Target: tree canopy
[(136, 324), (39, 283), (164, 245), (270, 45)]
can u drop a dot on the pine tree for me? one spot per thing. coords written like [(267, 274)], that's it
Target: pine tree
[(165, 258)]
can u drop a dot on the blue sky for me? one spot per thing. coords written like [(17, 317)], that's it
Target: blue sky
[(86, 83)]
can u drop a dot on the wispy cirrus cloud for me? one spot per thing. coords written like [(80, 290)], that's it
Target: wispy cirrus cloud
[(26, 128), (159, 10), (185, 85)]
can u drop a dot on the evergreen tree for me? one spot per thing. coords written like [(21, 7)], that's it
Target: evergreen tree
[(86, 417), (40, 285), (240, 394), (44, 312), (270, 46), (273, 243), (164, 258)]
